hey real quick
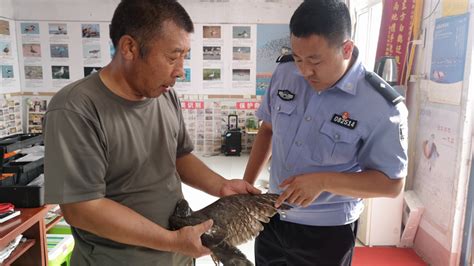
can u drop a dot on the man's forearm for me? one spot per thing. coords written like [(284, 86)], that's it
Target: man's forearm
[(366, 184), (261, 150), (111, 220)]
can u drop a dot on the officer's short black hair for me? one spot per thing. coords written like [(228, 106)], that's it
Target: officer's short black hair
[(143, 20), (327, 18)]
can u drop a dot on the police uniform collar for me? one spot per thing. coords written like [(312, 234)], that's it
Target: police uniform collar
[(348, 83)]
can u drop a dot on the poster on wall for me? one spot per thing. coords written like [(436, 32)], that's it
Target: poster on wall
[(222, 61), (10, 116), (191, 81), (54, 54), (273, 41), (32, 56), (9, 71), (437, 141), (243, 58), (454, 7), (448, 59), (36, 108), (214, 39)]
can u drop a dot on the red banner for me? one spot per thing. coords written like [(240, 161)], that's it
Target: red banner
[(192, 105), (395, 30), (247, 105)]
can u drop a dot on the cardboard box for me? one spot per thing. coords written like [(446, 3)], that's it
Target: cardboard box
[(412, 212)]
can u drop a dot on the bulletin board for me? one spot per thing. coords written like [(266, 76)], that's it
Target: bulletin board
[(222, 61), (9, 71), (53, 54)]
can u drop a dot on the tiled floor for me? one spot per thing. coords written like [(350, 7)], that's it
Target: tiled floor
[(231, 167)]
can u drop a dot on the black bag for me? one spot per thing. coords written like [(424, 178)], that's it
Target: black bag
[(232, 138)]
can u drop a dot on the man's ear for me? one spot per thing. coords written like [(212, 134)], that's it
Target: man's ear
[(347, 49), (128, 47)]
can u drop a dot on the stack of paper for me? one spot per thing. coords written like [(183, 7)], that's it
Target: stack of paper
[(4, 253)]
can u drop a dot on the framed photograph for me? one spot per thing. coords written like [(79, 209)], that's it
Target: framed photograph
[(211, 52), (4, 27), (241, 32), (241, 74), (211, 32), (57, 28), (59, 50), (29, 28), (90, 30), (90, 70), (211, 74), (60, 72), (241, 53), (31, 50), (91, 51), (33, 72), (5, 48), (7, 71)]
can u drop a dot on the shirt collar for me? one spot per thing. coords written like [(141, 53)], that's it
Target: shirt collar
[(348, 83)]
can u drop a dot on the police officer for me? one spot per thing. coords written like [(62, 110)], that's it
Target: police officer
[(336, 134)]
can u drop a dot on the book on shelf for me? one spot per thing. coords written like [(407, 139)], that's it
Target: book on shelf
[(8, 215)]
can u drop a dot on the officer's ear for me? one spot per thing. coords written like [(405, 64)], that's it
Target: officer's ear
[(347, 48)]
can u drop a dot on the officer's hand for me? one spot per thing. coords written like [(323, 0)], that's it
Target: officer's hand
[(189, 240), (237, 186), (300, 190)]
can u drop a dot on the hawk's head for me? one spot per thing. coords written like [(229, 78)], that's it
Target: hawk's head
[(182, 209)]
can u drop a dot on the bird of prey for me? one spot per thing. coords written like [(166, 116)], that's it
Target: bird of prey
[(237, 219)]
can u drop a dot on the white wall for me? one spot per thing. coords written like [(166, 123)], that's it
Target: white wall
[(6, 8), (439, 236), (236, 11), (65, 10), (241, 11)]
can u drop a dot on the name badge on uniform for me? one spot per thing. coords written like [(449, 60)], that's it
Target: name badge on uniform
[(344, 120), (286, 95)]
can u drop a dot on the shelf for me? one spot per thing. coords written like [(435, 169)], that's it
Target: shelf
[(30, 223), (18, 251), (54, 221)]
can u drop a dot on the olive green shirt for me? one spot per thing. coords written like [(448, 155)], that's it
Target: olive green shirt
[(99, 145)]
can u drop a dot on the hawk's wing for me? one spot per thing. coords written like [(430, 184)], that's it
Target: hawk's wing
[(237, 218), (230, 255)]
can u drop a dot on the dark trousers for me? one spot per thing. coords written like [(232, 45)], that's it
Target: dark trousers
[(283, 243)]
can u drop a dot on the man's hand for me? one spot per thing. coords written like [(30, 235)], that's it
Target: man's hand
[(237, 186), (188, 240), (301, 190)]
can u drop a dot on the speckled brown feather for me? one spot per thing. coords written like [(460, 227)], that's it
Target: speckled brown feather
[(237, 219)]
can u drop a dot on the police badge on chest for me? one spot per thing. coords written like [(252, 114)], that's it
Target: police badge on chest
[(344, 120)]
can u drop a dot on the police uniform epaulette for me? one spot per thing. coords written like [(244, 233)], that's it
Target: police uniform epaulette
[(381, 86), (285, 58)]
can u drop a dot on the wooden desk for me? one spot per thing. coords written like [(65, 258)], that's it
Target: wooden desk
[(31, 224)]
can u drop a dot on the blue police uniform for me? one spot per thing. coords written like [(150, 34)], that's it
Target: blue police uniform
[(349, 127)]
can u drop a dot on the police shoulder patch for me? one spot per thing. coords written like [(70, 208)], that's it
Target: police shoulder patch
[(286, 95)]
